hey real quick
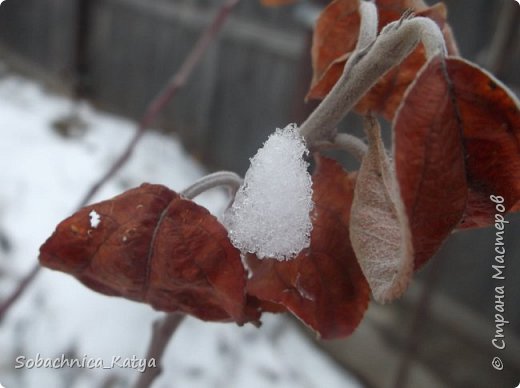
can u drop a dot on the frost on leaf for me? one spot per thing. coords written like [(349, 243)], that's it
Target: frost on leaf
[(323, 286), (154, 247), (379, 228), (271, 212)]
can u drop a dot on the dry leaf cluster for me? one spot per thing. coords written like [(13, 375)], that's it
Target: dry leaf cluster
[(456, 141)]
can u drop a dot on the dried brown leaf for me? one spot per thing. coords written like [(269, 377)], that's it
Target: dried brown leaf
[(429, 159), (490, 118), (335, 37), (385, 97), (155, 247), (379, 228)]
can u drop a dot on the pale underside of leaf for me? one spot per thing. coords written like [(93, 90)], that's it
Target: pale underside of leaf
[(379, 228)]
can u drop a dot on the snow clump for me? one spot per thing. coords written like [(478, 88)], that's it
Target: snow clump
[(95, 219), (271, 212)]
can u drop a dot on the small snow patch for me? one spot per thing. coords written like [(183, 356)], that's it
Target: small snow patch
[(95, 219), (271, 212)]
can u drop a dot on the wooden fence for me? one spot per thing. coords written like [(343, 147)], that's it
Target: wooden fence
[(247, 84)]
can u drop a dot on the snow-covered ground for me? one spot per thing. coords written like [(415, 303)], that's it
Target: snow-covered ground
[(43, 175)]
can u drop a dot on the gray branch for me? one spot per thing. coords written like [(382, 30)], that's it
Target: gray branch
[(162, 332)]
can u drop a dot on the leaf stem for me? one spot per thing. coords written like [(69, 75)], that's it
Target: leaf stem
[(20, 289), (368, 27), (220, 178), (346, 142), (420, 317)]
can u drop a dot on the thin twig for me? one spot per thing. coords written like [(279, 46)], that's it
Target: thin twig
[(178, 80), (20, 288), (164, 97), (162, 332), (422, 311), (221, 178), (499, 48), (164, 329)]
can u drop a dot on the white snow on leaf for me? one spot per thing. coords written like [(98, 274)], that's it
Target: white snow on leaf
[(58, 315), (271, 212), (95, 219)]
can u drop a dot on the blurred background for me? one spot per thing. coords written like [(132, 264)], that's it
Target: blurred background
[(117, 54)]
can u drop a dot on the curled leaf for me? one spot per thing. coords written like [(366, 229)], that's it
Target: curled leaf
[(325, 82), (336, 38), (379, 228), (335, 35), (490, 118), (323, 286), (429, 159), (152, 246), (386, 95)]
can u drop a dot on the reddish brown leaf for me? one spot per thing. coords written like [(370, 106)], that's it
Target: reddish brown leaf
[(429, 159), (479, 211), (490, 116), (390, 10), (323, 286), (379, 229), (153, 246), (329, 56), (335, 35), (386, 95), (322, 85)]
